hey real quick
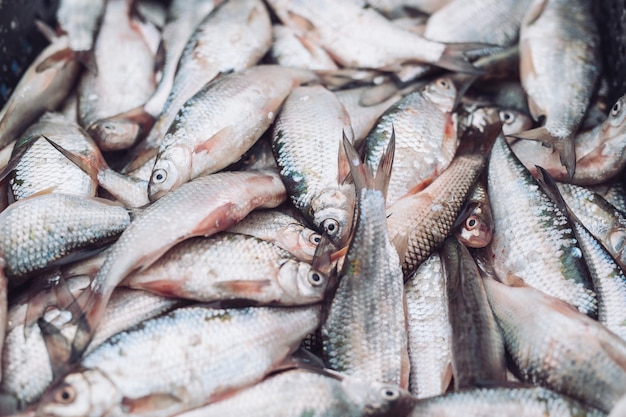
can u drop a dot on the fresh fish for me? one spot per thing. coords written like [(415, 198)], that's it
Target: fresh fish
[(38, 91), (613, 192), (182, 360), (477, 346), (228, 266), (499, 21), (282, 230), (364, 334), (475, 229), (304, 393), (306, 139), (557, 34), (420, 221), (600, 152), (392, 8), (110, 101), (428, 329), (426, 136), (291, 49), (220, 123), (360, 37), (80, 20), (201, 207), (555, 346), (51, 228), (234, 37), (183, 16), (42, 167), (520, 401), (535, 241)]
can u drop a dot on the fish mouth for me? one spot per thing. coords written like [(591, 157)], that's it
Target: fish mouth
[(114, 135)]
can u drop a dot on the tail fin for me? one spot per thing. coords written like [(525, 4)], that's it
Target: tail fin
[(565, 146), (455, 57), (474, 140)]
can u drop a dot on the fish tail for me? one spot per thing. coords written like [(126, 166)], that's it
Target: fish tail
[(480, 141), (455, 57), (92, 306), (565, 146)]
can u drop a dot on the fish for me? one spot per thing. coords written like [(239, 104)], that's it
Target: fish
[(281, 229), (535, 242), (428, 328), (612, 192), (306, 140), (557, 347), (291, 49), (360, 37), (475, 223), (220, 123), (49, 228), (392, 8), (318, 394), (229, 266), (128, 374), (4, 305), (364, 334), (559, 34), (110, 101), (420, 221), (201, 207), (477, 346)]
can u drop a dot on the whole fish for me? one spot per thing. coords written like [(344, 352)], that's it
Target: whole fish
[(51, 228), (282, 230), (428, 329), (360, 37), (558, 34), (291, 49), (535, 241), (183, 16), (220, 123), (299, 392), (600, 152), (475, 229), (38, 91), (520, 401), (201, 207), (228, 266), (419, 222), (109, 101), (187, 358), (42, 167), (557, 347), (364, 334), (306, 140), (426, 137)]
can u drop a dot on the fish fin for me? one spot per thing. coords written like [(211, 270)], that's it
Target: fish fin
[(243, 288), (462, 82), (474, 140), (300, 359), (58, 347), (377, 94), (548, 185), (446, 377), (16, 157), (401, 242), (150, 403), (565, 146), (385, 165), (159, 58), (322, 258), (91, 305), (454, 57), (361, 173), (343, 166), (299, 22), (220, 219), (164, 287), (44, 293), (88, 59), (45, 191), (613, 348), (339, 254), (47, 31), (80, 161), (223, 135), (136, 115), (534, 12), (57, 59)]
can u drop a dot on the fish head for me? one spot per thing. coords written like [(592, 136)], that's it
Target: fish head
[(332, 211), (377, 398), (171, 169), (79, 394), (442, 93), (617, 243), (302, 283), (300, 241), (615, 123), (114, 134), (477, 229), (514, 121)]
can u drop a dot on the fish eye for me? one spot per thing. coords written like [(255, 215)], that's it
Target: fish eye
[(507, 117), (331, 226), (471, 222), (617, 107), (65, 395), (389, 393), (443, 83), (315, 238), (159, 176), (315, 278)]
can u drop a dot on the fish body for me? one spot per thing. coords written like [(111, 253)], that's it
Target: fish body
[(291, 49), (181, 360), (306, 140)]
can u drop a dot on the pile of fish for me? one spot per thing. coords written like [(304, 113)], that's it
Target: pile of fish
[(314, 208)]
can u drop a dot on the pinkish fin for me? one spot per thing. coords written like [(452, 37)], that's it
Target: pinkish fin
[(220, 219), (164, 287), (83, 162), (343, 166), (322, 258), (534, 12), (299, 22), (224, 135), (565, 146), (46, 30), (57, 59), (454, 57), (243, 288), (150, 403), (401, 242)]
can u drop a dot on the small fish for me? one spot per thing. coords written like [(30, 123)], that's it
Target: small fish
[(291, 49), (475, 229), (220, 123), (184, 359)]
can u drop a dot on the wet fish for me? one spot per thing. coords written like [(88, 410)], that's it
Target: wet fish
[(428, 329), (47, 229), (306, 140), (555, 346), (109, 101), (426, 136), (282, 230), (220, 123), (535, 241), (613, 192), (559, 34), (392, 8), (291, 49), (364, 334), (179, 361), (475, 229), (317, 395)]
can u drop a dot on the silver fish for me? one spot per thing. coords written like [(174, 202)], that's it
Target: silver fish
[(291, 49)]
